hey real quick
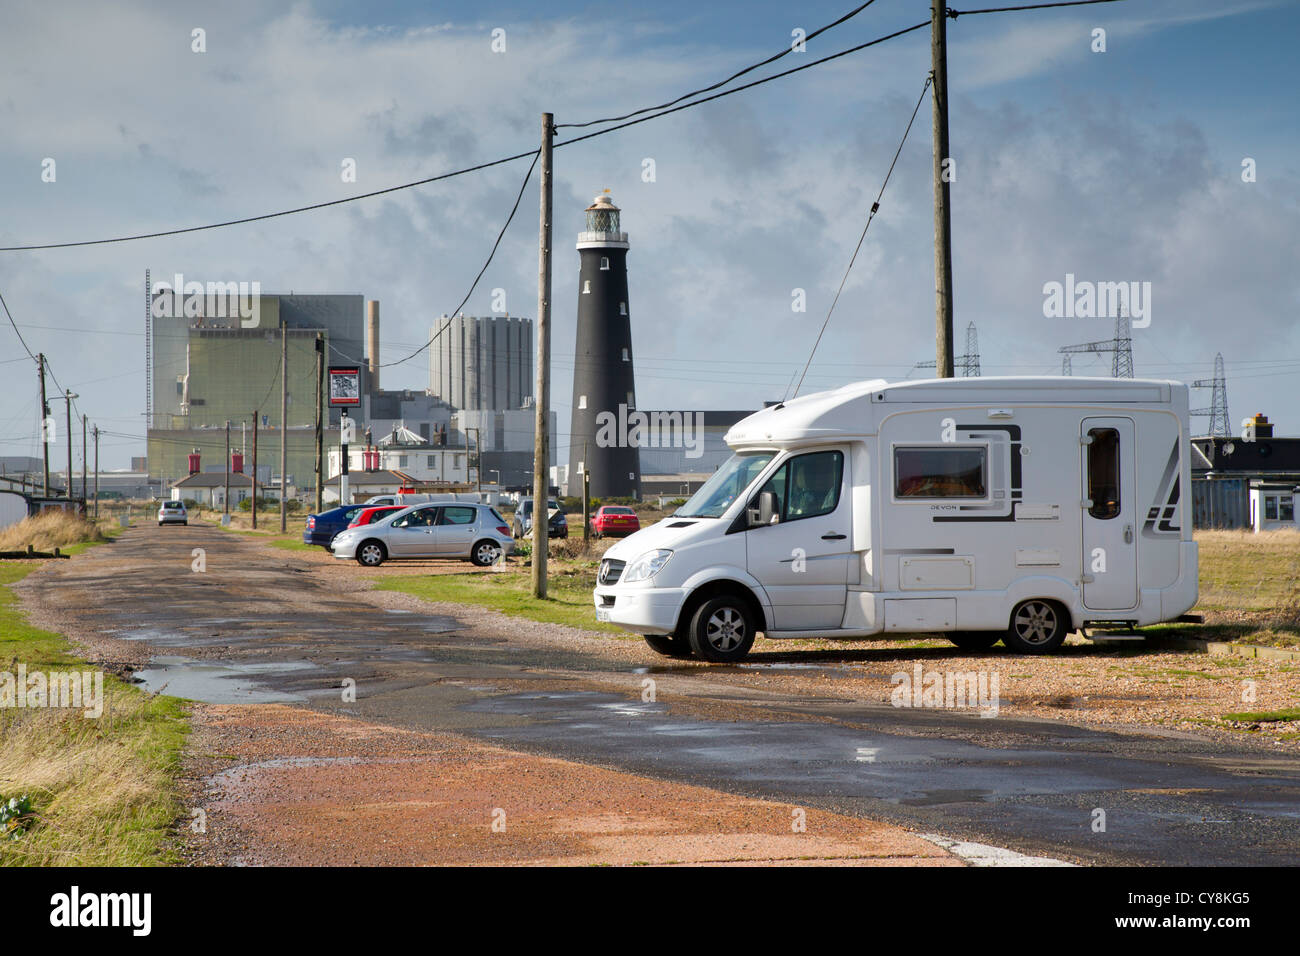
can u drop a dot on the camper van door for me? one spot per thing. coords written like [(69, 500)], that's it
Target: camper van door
[(803, 558), (1109, 515)]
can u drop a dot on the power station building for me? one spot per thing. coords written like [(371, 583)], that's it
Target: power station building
[(604, 384), (481, 363), (207, 364)]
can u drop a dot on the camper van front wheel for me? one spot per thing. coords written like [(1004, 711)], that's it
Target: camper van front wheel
[(722, 629), (1037, 627)]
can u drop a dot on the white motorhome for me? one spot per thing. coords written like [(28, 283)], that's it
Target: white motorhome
[(1013, 509)]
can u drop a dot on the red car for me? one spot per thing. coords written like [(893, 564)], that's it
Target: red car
[(614, 519), (373, 514)]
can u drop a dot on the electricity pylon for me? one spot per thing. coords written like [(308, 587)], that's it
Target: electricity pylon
[(1120, 348), (1218, 410)]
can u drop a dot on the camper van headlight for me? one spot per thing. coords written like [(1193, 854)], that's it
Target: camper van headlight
[(646, 566)]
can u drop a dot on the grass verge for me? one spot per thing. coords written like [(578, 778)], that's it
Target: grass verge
[(568, 598), (104, 790)]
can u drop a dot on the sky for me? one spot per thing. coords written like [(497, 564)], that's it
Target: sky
[(1117, 166)]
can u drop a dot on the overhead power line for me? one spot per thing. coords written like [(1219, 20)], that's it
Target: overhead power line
[(954, 14), (747, 86), (721, 83), (870, 216), (509, 219), (459, 172), (16, 331)]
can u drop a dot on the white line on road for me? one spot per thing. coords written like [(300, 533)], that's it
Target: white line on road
[(981, 854)]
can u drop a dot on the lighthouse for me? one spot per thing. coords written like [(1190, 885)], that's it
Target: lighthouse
[(601, 444)]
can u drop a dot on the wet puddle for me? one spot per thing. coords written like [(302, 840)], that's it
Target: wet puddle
[(219, 683)]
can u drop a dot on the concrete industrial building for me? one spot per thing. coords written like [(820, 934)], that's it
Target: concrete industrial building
[(604, 385), (208, 368), (481, 363)]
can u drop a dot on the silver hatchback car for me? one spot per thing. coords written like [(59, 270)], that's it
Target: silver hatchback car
[(172, 512), (455, 529)]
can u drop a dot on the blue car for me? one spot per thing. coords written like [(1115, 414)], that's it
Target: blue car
[(321, 529)]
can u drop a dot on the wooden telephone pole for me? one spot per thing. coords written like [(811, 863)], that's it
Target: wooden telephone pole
[(942, 175), (542, 393), (284, 421), (254, 475), (45, 417), (320, 434), (95, 432)]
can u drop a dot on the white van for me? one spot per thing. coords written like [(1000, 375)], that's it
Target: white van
[(420, 499), (1012, 509)]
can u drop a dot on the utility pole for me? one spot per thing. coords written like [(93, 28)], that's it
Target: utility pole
[(67, 401), (478, 460), (320, 434), (225, 504), (254, 509), (586, 499), (45, 418), (95, 431), (542, 396), (83, 461), (942, 210), (284, 421)]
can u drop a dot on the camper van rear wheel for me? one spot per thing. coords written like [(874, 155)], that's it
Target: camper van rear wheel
[(1037, 627), (974, 640), (722, 629)]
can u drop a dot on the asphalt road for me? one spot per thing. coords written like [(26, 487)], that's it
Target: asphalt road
[(262, 624)]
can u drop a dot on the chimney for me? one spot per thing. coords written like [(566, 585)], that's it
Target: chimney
[(372, 341)]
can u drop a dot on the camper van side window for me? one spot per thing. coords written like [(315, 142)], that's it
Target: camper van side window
[(1103, 473), (934, 472), (807, 486)]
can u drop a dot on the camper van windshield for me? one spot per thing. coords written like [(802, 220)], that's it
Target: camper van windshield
[(733, 477)]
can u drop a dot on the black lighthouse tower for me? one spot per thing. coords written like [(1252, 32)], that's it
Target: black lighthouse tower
[(604, 387)]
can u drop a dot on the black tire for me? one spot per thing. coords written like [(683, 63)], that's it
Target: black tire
[(974, 640), (669, 645), (485, 553), (371, 553), (1037, 626), (722, 629)]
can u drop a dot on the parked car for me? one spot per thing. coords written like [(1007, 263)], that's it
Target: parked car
[(371, 515), (321, 529), (614, 519), (406, 499), (173, 512), (522, 524), (453, 530)]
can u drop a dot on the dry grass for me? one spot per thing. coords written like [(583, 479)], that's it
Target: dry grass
[(1246, 572), (102, 788), (45, 532)]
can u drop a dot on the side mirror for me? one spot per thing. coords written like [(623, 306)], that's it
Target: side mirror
[(762, 515)]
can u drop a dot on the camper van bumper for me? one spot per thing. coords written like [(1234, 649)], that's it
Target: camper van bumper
[(641, 610)]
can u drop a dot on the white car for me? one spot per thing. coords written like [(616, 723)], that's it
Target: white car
[(446, 530), (173, 512)]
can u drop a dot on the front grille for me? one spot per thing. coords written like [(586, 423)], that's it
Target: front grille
[(610, 571)]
